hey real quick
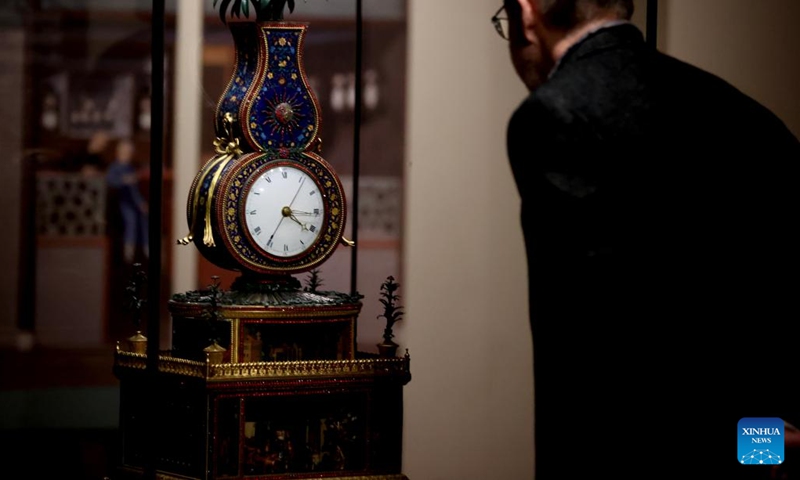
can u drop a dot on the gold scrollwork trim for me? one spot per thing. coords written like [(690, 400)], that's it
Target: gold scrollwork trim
[(173, 365), (224, 372), (308, 368)]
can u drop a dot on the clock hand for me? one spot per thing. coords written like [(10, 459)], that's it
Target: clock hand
[(302, 225), (296, 193), (276, 227), (287, 212), (300, 212)]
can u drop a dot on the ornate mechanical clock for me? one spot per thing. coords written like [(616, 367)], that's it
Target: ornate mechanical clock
[(264, 380), (271, 206)]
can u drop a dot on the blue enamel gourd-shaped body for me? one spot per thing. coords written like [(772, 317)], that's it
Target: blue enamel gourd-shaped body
[(246, 41), (280, 111), (267, 113), (268, 93)]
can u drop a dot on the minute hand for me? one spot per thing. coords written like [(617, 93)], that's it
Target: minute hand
[(302, 181), (283, 214)]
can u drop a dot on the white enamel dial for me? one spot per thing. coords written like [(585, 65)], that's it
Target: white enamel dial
[(284, 211)]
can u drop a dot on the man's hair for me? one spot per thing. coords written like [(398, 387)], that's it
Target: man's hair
[(568, 13)]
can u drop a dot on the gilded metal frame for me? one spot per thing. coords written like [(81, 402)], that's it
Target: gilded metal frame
[(264, 371)]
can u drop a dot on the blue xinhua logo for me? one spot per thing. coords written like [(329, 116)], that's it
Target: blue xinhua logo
[(760, 441)]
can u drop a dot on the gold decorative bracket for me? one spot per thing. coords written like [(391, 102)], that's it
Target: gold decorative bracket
[(227, 149)]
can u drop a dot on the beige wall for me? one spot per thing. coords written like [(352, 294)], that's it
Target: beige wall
[(186, 146), (755, 45), (468, 408)]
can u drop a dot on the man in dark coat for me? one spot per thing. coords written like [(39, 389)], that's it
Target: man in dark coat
[(658, 209)]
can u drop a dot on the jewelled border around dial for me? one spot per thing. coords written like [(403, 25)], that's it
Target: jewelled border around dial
[(230, 213)]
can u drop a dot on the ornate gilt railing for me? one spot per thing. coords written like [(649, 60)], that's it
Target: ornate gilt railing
[(223, 372)]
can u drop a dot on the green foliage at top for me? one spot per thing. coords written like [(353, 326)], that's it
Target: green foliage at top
[(266, 10)]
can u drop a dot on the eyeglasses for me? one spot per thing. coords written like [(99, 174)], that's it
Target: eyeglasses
[(501, 23)]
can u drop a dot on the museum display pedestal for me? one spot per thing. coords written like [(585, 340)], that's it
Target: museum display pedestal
[(295, 401)]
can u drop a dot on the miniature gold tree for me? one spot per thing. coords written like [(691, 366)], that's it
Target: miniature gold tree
[(392, 312)]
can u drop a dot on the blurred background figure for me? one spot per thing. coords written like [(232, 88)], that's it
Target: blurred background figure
[(93, 159), (123, 183)]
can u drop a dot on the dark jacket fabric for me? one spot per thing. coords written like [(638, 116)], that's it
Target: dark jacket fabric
[(659, 209)]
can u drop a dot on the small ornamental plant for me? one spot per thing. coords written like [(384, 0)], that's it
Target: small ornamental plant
[(134, 299), (314, 281), (392, 312), (212, 315), (135, 303)]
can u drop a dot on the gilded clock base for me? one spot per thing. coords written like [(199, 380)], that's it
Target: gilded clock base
[(339, 419), (137, 473)]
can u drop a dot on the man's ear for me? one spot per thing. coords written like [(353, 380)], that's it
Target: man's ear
[(529, 10)]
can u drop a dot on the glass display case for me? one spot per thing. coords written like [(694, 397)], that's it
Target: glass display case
[(76, 77)]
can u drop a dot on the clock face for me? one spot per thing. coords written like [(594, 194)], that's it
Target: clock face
[(267, 215), (284, 211)]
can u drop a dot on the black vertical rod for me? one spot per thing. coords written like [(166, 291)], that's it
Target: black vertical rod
[(356, 147), (651, 35), (26, 266), (26, 295), (154, 219), (156, 162)]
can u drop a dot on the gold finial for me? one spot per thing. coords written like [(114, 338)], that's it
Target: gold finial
[(137, 343), (215, 353)]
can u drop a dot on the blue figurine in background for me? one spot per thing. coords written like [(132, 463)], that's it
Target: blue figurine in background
[(123, 177)]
